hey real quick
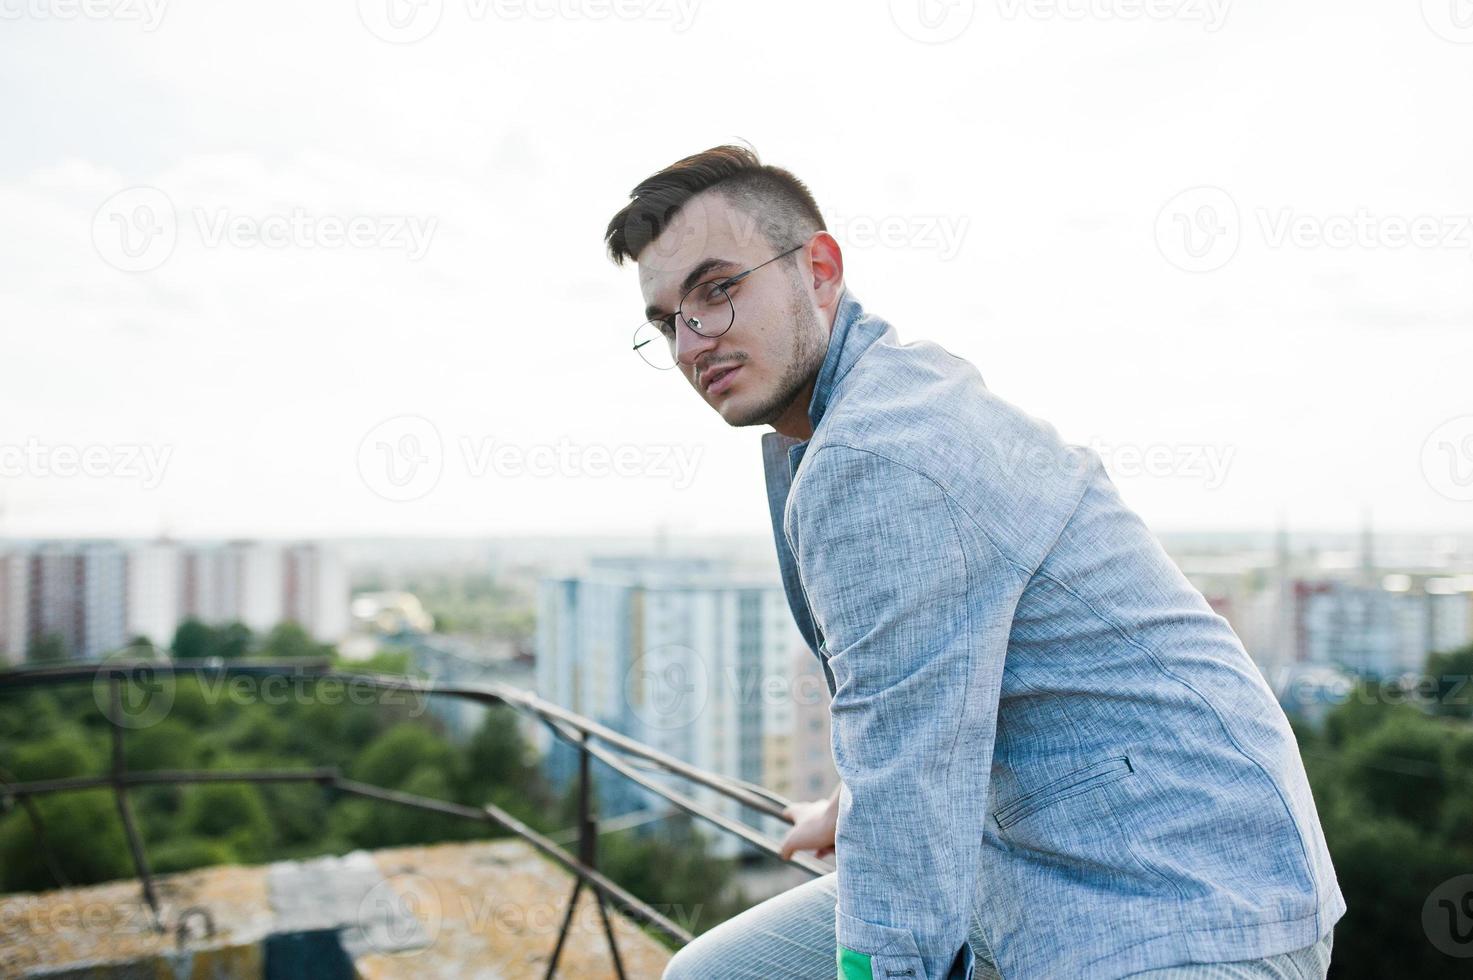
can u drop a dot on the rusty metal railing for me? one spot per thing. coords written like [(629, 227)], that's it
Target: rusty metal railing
[(591, 739)]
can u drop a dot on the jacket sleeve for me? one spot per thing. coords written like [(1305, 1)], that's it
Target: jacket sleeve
[(915, 606)]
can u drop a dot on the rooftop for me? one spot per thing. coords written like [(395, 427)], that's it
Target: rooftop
[(482, 909)]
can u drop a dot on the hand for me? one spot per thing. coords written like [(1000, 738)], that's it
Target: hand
[(814, 825)]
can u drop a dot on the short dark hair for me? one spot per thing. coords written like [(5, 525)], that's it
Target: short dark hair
[(782, 205)]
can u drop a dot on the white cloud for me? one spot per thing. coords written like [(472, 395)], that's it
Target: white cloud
[(1052, 144)]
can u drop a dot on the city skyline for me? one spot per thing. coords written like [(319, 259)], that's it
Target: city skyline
[(92, 599)]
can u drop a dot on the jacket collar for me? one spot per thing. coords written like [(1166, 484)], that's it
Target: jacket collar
[(851, 336)]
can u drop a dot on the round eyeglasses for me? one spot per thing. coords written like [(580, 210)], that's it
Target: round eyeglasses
[(705, 309)]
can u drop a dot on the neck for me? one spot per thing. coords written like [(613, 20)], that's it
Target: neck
[(794, 421)]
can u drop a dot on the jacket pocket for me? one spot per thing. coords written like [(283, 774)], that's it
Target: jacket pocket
[(1072, 784)]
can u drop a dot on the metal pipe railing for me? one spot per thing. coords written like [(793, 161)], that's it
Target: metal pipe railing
[(567, 725)]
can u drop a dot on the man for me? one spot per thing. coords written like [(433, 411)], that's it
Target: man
[(1055, 759)]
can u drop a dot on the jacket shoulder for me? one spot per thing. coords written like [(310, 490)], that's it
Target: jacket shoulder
[(924, 408)]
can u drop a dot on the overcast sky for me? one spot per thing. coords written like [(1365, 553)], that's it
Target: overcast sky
[(287, 268)]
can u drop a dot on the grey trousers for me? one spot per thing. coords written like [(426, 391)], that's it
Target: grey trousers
[(791, 937)]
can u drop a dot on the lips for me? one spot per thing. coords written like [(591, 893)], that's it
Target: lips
[(719, 378)]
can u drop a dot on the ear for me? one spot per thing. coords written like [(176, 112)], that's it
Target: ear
[(826, 266)]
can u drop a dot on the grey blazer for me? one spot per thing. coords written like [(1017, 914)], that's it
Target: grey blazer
[(1035, 715)]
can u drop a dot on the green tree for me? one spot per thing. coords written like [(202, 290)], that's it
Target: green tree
[(233, 641), (141, 648), (406, 749), (193, 640), (1452, 672), (1399, 769), (184, 854), (673, 870), (83, 835), (1393, 784), (67, 753), (50, 648), (170, 744), (27, 716), (289, 641), (498, 758), (371, 824), (230, 813), (1386, 870)]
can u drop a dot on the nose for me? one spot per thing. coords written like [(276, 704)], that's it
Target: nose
[(690, 345)]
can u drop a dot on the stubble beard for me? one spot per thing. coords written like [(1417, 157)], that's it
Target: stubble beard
[(805, 358)]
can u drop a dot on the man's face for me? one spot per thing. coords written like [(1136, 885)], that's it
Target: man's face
[(775, 342)]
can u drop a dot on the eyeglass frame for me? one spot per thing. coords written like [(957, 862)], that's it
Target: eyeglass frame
[(721, 284)]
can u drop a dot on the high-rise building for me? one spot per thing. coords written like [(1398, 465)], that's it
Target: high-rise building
[(14, 600), (260, 583), (104, 570), (74, 595), (155, 591), (693, 657), (315, 591)]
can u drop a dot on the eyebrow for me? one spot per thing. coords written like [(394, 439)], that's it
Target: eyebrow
[(691, 278)]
